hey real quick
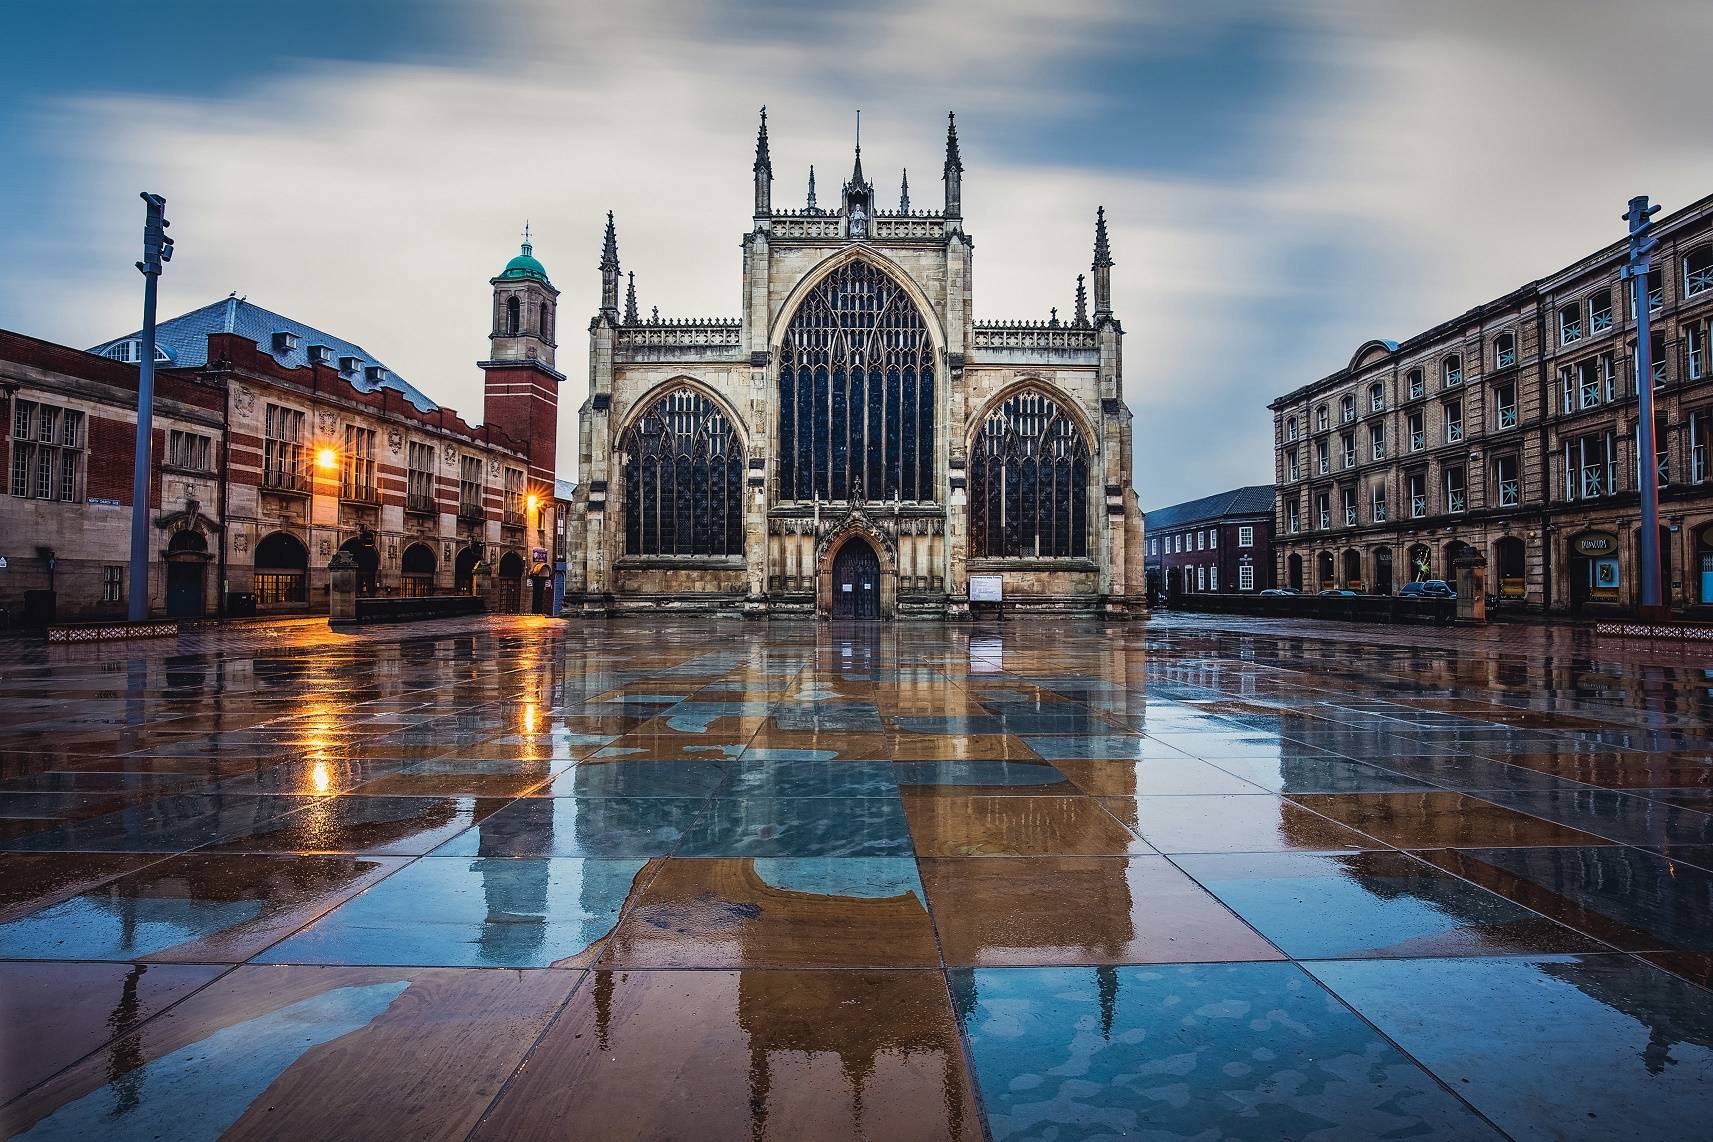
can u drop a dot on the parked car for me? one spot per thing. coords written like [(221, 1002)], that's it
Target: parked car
[(1427, 589), (1279, 591), (1339, 591)]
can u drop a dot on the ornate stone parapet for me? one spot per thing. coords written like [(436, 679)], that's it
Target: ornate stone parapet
[(1033, 337)]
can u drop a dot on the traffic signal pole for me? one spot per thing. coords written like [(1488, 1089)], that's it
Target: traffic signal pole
[(1642, 244), (157, 248)]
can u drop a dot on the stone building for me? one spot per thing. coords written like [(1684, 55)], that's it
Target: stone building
[(277, 445), (1219, 543), (854, 442), (65, 524), (1511, 430)]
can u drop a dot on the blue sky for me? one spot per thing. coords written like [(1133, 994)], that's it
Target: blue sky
[(1284, 180)]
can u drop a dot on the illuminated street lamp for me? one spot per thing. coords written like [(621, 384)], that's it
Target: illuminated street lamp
[(326, 459)]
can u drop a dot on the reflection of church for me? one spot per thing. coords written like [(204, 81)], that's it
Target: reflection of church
[(855, 443)]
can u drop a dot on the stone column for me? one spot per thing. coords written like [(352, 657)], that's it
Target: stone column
[(342, 589)]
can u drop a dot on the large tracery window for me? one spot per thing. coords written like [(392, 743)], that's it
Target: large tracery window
[(1029, 481), (856, 393), (683, 479)]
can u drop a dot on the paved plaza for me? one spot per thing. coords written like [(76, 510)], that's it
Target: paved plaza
[(701, 879)]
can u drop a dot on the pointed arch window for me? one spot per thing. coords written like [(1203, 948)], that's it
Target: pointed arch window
[(683, 479), (856, 393), (1029, 481)]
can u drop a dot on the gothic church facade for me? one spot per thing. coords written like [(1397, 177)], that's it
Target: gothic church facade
[(855, 443)]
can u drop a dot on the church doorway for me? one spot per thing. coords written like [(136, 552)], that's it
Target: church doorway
[(856, 581)]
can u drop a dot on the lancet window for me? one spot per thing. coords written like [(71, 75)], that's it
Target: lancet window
[(683, 479), (1028, 476)]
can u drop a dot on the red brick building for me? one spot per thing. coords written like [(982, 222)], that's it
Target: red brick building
[(1219, 543), (275, 446)]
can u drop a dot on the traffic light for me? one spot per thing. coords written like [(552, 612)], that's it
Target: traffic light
[(157, 247)]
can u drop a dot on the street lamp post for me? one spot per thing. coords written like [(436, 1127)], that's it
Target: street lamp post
[(1642, 244), (157, 249)]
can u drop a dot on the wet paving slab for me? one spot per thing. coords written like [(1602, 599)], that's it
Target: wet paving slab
[(521, 878)]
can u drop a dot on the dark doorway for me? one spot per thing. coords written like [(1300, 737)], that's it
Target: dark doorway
[(1326, 571), (416, 569), (856, 581), (1294, 572), (187, 573), (1352, 569), (464, 569), (1383, 571), (510, 583), (1509, 553)]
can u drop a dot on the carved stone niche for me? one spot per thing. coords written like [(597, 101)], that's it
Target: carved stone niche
[(395, 441)]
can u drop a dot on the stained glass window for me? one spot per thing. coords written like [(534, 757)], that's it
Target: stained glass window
[(1029, 481), (683, 479), (856, 393)]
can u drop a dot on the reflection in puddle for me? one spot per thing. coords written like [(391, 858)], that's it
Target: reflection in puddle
[(198, 1091)]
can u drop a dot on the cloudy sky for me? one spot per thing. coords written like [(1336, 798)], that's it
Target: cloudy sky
[(1283, 180)]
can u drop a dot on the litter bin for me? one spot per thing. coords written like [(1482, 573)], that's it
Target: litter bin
[(240, 605)]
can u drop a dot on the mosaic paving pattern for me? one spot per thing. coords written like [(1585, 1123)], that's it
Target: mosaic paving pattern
[(516, 878)]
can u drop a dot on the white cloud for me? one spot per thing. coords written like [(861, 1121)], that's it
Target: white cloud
[(1434, 158)]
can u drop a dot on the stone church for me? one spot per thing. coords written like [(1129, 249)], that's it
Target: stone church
[(855, 443)]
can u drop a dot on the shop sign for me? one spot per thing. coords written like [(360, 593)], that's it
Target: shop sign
[(1595, 544)]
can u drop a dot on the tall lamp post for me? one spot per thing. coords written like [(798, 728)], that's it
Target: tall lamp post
[(1635, 271), (157, 249)]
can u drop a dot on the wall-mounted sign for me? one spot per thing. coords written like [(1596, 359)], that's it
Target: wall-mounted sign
[(1595, 543), (103, 502), (987, 588)]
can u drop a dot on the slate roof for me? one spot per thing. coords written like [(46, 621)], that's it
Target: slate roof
[(1256, 499), (184, 339), (564, 489)]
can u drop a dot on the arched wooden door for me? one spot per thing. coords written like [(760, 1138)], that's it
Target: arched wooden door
[(856, 581)]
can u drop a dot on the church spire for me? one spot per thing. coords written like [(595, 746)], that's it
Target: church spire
[(610, 271), (630, 299), (856, 169), (812, 205), (1081, 319), (904, 193), (954, 175), (1102, 269), (763, 171)]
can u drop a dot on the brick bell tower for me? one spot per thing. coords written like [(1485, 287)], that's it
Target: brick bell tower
[(521, 386)]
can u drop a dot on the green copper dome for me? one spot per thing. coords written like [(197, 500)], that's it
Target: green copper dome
[(525, 266)]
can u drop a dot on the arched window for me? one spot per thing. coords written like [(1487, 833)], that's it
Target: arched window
[(1697, 271), (1376, 397), (1346, 408), (683, 479), (1028, 479), (514, 317), (1504, 350), (1291, 429), (856, 393), (1451, 371), (541, 324)]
